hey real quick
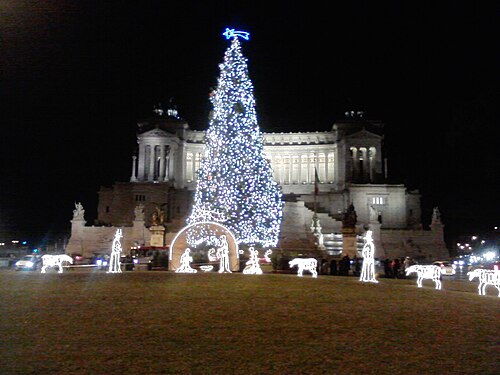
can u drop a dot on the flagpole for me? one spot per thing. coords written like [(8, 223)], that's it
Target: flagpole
[(316, 187)]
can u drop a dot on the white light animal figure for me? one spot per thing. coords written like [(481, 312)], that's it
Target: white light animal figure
[(486, 277), (368, 252), (55, 261), (116, 251), (252, 265), (185, 261), (266, 255), (305, 264), (223, 255), (430, 272)]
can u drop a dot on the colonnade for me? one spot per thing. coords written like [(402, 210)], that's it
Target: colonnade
[(153, 164), (300, 169), (363, 162)]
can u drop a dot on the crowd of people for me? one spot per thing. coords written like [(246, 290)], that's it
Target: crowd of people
[(393, 268)]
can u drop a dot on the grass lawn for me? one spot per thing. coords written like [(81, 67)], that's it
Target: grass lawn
[(165, 323)]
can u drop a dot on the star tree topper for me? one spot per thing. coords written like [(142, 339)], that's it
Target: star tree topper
[(232, 33)]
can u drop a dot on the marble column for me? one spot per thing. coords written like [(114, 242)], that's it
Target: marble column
[(161, 171), (151, 163), (133, 177)]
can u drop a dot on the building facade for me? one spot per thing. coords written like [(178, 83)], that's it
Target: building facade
[(348, 161)]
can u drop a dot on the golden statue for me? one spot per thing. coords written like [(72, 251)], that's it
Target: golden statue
[(158, 216)]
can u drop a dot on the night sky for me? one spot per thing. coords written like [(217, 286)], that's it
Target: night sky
[(76, 76)]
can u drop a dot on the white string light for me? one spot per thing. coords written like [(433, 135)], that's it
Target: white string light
[(486, 277), (305, 264), (223, 255), (235, 179), (430, 272), (185, 261), (50, 260), (252, 265), (368, 252), (116, 251)]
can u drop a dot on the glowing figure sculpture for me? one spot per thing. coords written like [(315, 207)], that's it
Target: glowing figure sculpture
[(234, 178), (252, 265), (186, 259), (219, 246), (305, 264), (116, 251), (486, 277), (266, 255), (223, 255), (430, 272), (368, 252), (55, 261), (206, 268)]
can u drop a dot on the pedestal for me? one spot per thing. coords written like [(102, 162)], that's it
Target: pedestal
[(349, 242), (379, 249), (157, 235)]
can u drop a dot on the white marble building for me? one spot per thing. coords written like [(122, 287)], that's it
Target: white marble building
[(348, 160)]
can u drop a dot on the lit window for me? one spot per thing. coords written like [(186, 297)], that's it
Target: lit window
[(378, 200)]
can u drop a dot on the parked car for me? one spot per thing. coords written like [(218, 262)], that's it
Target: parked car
[(447, 267), (29, 262)]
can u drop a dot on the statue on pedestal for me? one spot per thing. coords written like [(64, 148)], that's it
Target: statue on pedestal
[(373, 214), (350, 217), (78, 212), (139, 213), (436, 216), (158, 216)]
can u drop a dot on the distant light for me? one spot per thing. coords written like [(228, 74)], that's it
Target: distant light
[(24, 242), (490, 255), (35, 250)]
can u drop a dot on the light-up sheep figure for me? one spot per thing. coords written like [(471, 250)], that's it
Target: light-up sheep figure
[(207, 268), (223, 255), (185, 261), (430, 272), (252, 265), (55, 261), (368, 252), (305, 264), (116, 251), (486, 277)]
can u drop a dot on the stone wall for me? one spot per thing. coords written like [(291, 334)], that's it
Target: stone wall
[(91, 240)]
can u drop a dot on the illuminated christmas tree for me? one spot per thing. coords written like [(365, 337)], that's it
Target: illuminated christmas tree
[(235, 185)]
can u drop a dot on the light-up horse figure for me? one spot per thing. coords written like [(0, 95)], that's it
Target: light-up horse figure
[(116, 251), (185, 261), (430, 272), (55, 261), (305, 264), (486, 277)]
